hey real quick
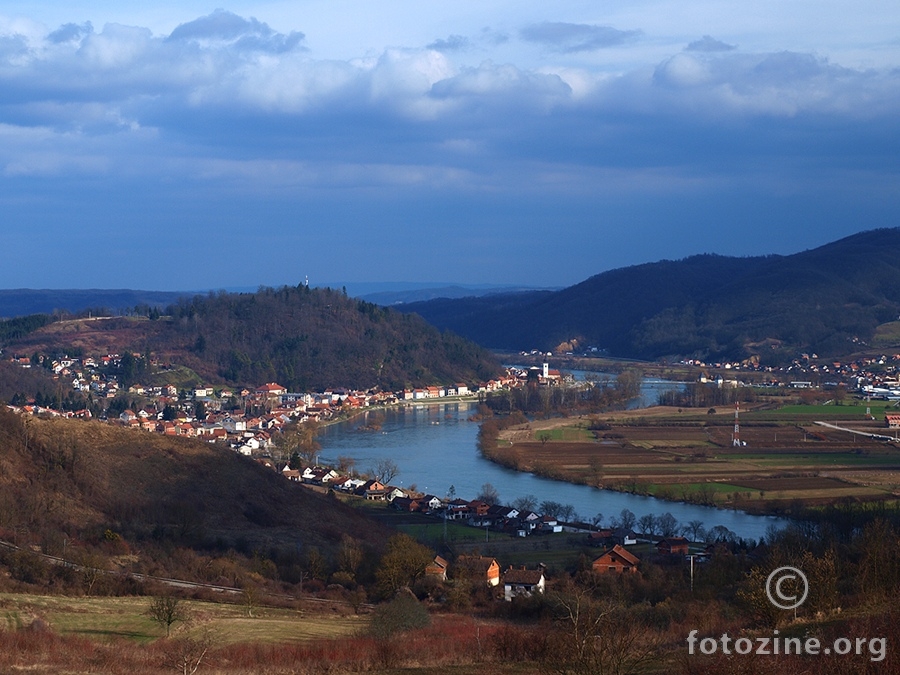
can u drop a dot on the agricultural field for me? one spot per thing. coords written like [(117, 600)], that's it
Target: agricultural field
[(109, 618), (781, 456)]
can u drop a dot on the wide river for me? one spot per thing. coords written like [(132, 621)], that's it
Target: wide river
[(435, 447)]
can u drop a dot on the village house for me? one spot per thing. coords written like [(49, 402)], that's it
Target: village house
[(272, 389), (672, 546), (477, 569), (457, 509), (623, 536), (522, 583), (317, 475), (501, 512), (349, 485), (430, 503), (372, 490), (617, 559), (549, 524), (406, 504), (437, 568), (291, 474)]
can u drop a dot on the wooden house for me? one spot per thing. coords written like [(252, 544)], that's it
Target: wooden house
[(672, 546)]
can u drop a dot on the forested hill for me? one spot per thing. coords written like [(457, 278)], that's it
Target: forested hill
[(305, 339), (826, 300)]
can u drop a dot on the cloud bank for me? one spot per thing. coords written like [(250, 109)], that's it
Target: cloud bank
[(227, 105)]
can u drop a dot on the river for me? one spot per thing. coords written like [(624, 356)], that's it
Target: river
[(435, 447)]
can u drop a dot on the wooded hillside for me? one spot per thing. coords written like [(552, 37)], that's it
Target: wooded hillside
[(305, 339), (829, 300)]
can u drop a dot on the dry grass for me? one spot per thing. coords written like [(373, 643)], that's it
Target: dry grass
[(112, 618)]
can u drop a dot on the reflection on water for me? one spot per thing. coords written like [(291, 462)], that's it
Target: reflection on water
[(435, 447)]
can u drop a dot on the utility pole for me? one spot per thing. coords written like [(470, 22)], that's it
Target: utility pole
[(736, 438)]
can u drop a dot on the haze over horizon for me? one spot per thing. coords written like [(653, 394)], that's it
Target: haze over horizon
[(180, 146)]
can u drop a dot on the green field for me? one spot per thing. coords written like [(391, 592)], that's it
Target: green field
[(109, 618), (563, 434)]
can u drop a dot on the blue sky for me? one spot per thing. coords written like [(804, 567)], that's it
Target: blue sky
[(188, 146)]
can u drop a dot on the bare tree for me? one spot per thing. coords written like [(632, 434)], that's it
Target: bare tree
[(385, 471), (567, 513), (668, 525), (626, 520), (186, 655), (694, 530), (299, 438), (551, 508), (251, 597), (526, 503), (648, 524), (489, 494), (346, 464), (167, 610), (596, 637)]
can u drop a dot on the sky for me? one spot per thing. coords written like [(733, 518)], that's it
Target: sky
[(186, 146)]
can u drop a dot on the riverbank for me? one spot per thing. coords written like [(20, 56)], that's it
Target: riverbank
[(690, 456)]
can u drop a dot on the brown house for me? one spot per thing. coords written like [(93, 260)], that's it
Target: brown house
[(617, 559), (672, 546), (478, 569)]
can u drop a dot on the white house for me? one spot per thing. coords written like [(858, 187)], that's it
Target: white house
[(522, 582)]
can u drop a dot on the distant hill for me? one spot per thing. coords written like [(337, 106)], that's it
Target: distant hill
[(399, 297), (19, 302), (25, 301), (304, 338), (829, 300)]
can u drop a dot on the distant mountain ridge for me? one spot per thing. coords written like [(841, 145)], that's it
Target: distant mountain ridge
[(399, 297), (826, 299), (17, 302), (24, 301)]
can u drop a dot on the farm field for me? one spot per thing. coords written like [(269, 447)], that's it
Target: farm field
[(110, 618), (782, 455)]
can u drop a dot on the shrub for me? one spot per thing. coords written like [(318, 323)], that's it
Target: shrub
[(403, 613)]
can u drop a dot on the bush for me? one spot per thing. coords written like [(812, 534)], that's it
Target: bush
[(403, 613)]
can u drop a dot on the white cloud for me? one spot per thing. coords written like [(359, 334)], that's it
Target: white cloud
[(228, 88), (226, 28)]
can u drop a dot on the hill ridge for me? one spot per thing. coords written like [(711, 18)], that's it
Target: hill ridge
[(706, 305)]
